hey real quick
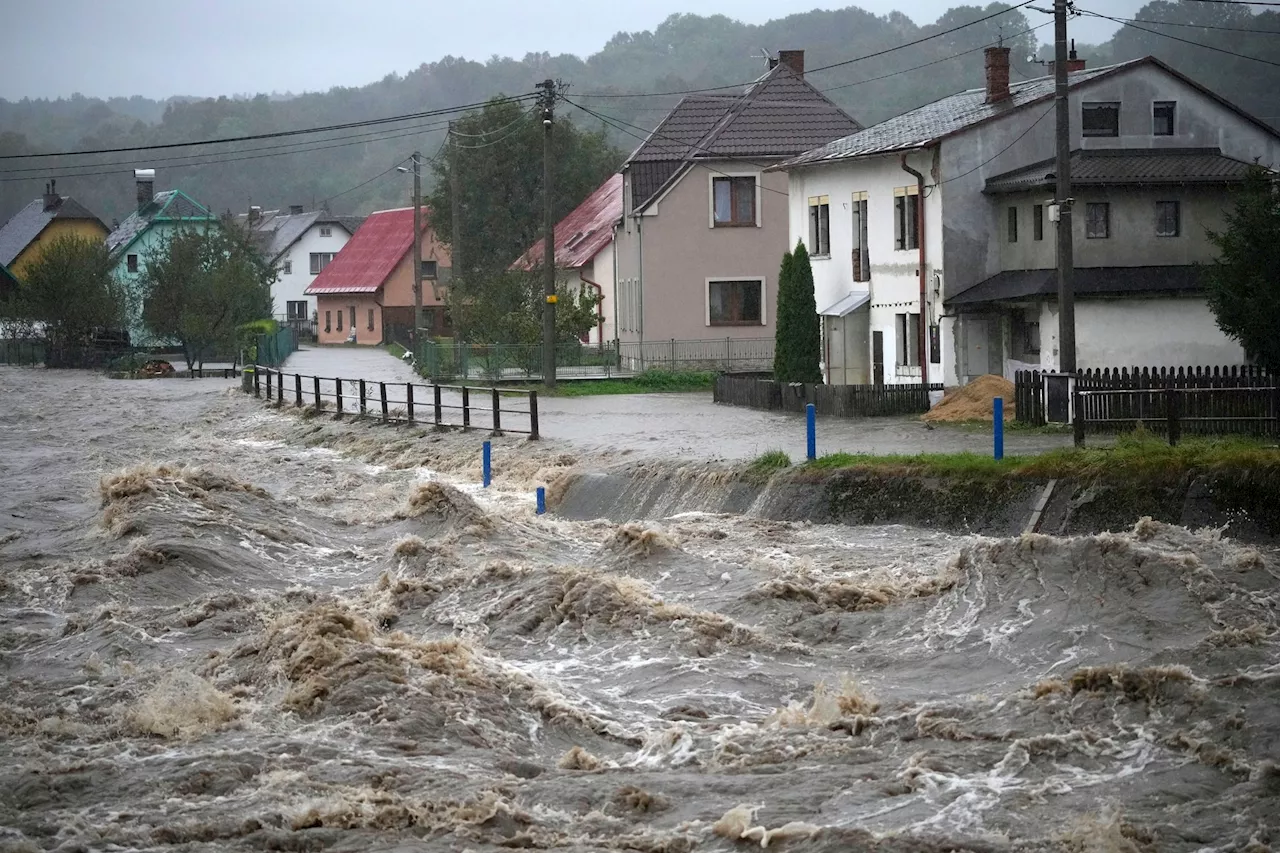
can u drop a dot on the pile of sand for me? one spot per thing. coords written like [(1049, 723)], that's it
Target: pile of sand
[(973, 402)]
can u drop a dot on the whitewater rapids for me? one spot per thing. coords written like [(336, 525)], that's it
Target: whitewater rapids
[(224, 627)]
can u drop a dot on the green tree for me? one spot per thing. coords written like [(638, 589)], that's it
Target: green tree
[(496, 154), (797, 352), (510, 311), (202, 285), (1242, 288), (70, 291)]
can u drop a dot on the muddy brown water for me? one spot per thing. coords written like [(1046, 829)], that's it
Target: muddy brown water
[(228, 628)]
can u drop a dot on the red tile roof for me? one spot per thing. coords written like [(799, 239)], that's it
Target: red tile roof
[(370, 255), (582, 234)]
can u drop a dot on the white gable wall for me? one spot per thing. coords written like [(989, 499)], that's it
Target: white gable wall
[(291, 287)]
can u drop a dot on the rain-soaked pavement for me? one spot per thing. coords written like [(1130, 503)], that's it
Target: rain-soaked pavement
[(690, 426)]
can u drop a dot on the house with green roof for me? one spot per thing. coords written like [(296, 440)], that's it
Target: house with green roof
[(159, 215)]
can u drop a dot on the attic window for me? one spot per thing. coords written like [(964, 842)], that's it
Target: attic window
[(1101, 118), (132, 262), (326, 231), (575, 239)]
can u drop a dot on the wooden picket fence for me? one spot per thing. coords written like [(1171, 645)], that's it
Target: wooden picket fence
[(841, 401), (1239, 399)]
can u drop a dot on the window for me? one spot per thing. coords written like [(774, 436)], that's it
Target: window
[(820, 225), (1100, 119), (1162, 113), (733, 201), (320, 260), (429, 269), (735, 303), (340, 321), (1013, 225), (1026, 335), (861, 258), (287, 268), (296, 310), (371, 319), (906, 218), (908, 340), (353, 316), (1037, 222), (326, 231), (1168, 219), (132, 262), (1097, 220), (328, 326)]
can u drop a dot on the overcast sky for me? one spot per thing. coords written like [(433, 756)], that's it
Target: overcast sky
[(157, 48)]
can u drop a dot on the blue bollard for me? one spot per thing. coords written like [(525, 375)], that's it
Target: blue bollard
[(811, 428), (488, 463), (997, 406), (542, 501)]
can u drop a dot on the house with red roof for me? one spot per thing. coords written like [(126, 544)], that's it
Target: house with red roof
[(584, 253), (365, 294)]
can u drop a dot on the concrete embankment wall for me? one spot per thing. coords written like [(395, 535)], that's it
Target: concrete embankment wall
[(1248, 507)]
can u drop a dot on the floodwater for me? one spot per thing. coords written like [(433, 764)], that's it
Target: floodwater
[(224, 627)]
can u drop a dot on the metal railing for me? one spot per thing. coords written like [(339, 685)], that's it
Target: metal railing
[(450, 361), (498, 410)]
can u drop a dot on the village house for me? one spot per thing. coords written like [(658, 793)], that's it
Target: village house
[(705, 226), (29, 231), (933, 241), (365, 293), (584, 254), (300, 244), (156, 219)]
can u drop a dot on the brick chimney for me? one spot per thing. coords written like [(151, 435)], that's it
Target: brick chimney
[(51, 198), (145, 181), (997, 74), (1074, 62), (793, 59)]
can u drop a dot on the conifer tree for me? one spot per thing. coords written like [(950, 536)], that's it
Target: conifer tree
[(797, 353)]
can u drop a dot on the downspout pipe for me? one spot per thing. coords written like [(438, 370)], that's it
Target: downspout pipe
[(924, 318), (599, 309)]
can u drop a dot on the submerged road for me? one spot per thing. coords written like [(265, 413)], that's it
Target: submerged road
[(691, 426)]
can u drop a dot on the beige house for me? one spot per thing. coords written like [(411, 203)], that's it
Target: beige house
[(704, 227)]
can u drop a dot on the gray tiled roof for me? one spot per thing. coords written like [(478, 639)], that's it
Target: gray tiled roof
[(26, 225), (925, 125), (274, 232), (169, 205), (779, 115), (1121, 166), (1088, 281)]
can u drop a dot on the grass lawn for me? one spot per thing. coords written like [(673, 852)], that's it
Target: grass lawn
[(1137, 455), (649, 382), (396, 350)]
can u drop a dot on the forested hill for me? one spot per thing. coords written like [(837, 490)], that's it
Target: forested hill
[(684, 52)]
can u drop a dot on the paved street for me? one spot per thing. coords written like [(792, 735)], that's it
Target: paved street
[(689, 426)]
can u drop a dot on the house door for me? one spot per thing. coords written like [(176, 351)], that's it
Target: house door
[(877, 357), (977, 347)]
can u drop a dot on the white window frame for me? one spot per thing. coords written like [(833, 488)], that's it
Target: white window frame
[(706, 300), (711, 197), (287, 267)]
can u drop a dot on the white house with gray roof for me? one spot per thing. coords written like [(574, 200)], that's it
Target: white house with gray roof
[(972, 278), (301, 244)]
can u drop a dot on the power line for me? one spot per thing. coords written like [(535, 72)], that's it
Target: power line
[(482, 134), (273, 135), (1016, 140), (510, 135), (1184, 41), (1197, 26), (1239, 2), (616, 123), (43, 170), (386, 171), (813, 70)]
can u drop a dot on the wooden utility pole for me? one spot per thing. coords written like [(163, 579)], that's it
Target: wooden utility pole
[(417, 246), (1063, 200), (455, 240), (549, 240)]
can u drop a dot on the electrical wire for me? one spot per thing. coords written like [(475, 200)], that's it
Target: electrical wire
[(1016, 140), (43, 171), (511, 135), (273, 135), (1199, 26), (1123, 22), (386, 171), (812, 70), (1238, 2), (482, 134)]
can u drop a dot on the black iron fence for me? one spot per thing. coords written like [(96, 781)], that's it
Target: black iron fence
[(842, 401), (498, 410), (1240, 399)]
